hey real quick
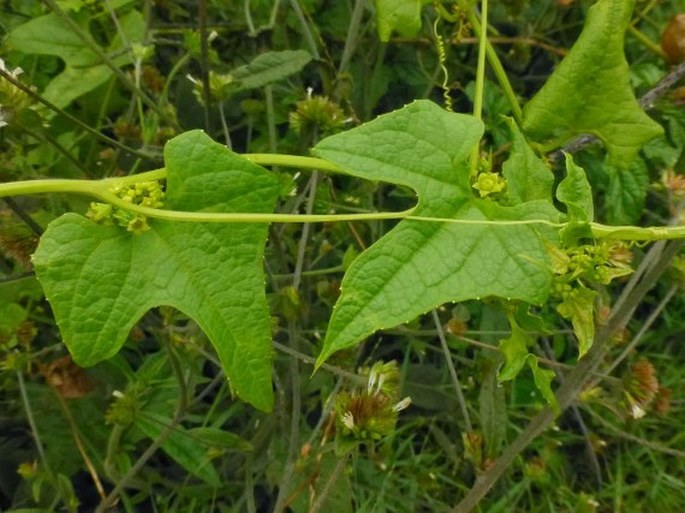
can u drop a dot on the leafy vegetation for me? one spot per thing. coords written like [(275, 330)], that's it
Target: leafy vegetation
[(301, 255)]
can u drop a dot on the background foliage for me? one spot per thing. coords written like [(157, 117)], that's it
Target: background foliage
[(107, 84)]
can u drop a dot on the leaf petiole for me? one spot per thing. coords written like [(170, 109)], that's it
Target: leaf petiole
[(102, 190)]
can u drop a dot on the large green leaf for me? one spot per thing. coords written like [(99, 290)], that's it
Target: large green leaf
[(590, 93), (101, 279), (419, 264)]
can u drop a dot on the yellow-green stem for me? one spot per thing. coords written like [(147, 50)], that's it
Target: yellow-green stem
[(480, 83), (102, 190), (494, 61)]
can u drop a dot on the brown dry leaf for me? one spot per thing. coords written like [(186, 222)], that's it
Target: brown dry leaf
[(66, 378)]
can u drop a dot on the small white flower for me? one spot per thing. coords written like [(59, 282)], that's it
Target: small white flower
[(118, 394), (348, 420), (373, 378), (381, 382), (15, 72), (402, 405), (636, 411)]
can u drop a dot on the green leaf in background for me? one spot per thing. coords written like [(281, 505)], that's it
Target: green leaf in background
[(575, 192), (528, 178), (579, 307), (187, 451), (220, 439), (515, 352), (48, 35), (101, 279), (11, 316), (419, 265), (270, 67), (516, 355), (543, 382), (590, 93), (402, 16), (83, 71), (626, 194), (492, 408)]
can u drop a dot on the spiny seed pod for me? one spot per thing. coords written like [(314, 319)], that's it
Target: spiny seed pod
[(317, 113), (673, 39)]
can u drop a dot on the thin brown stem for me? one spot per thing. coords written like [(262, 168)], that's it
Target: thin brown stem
[(576, 379), (453, 372)]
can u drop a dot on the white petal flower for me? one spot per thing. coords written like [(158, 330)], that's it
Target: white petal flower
[(402, 405), (348, 420), (14, 73), (636, 411)]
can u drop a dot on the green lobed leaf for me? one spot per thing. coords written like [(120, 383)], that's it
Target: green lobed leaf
[(543, 382), (403, 16), (419, 265), (270, 67), (590, 93), (101, 279)]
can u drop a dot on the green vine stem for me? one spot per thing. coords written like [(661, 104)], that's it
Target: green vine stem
[(494, 61), (480, 71), (102, 190), (480, 84)]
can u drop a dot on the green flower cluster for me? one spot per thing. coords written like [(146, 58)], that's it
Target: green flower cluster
[(145, 194), (601, 263), (581, 265)]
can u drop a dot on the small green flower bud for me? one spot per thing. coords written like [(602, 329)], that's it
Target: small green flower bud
[(489, 183)]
